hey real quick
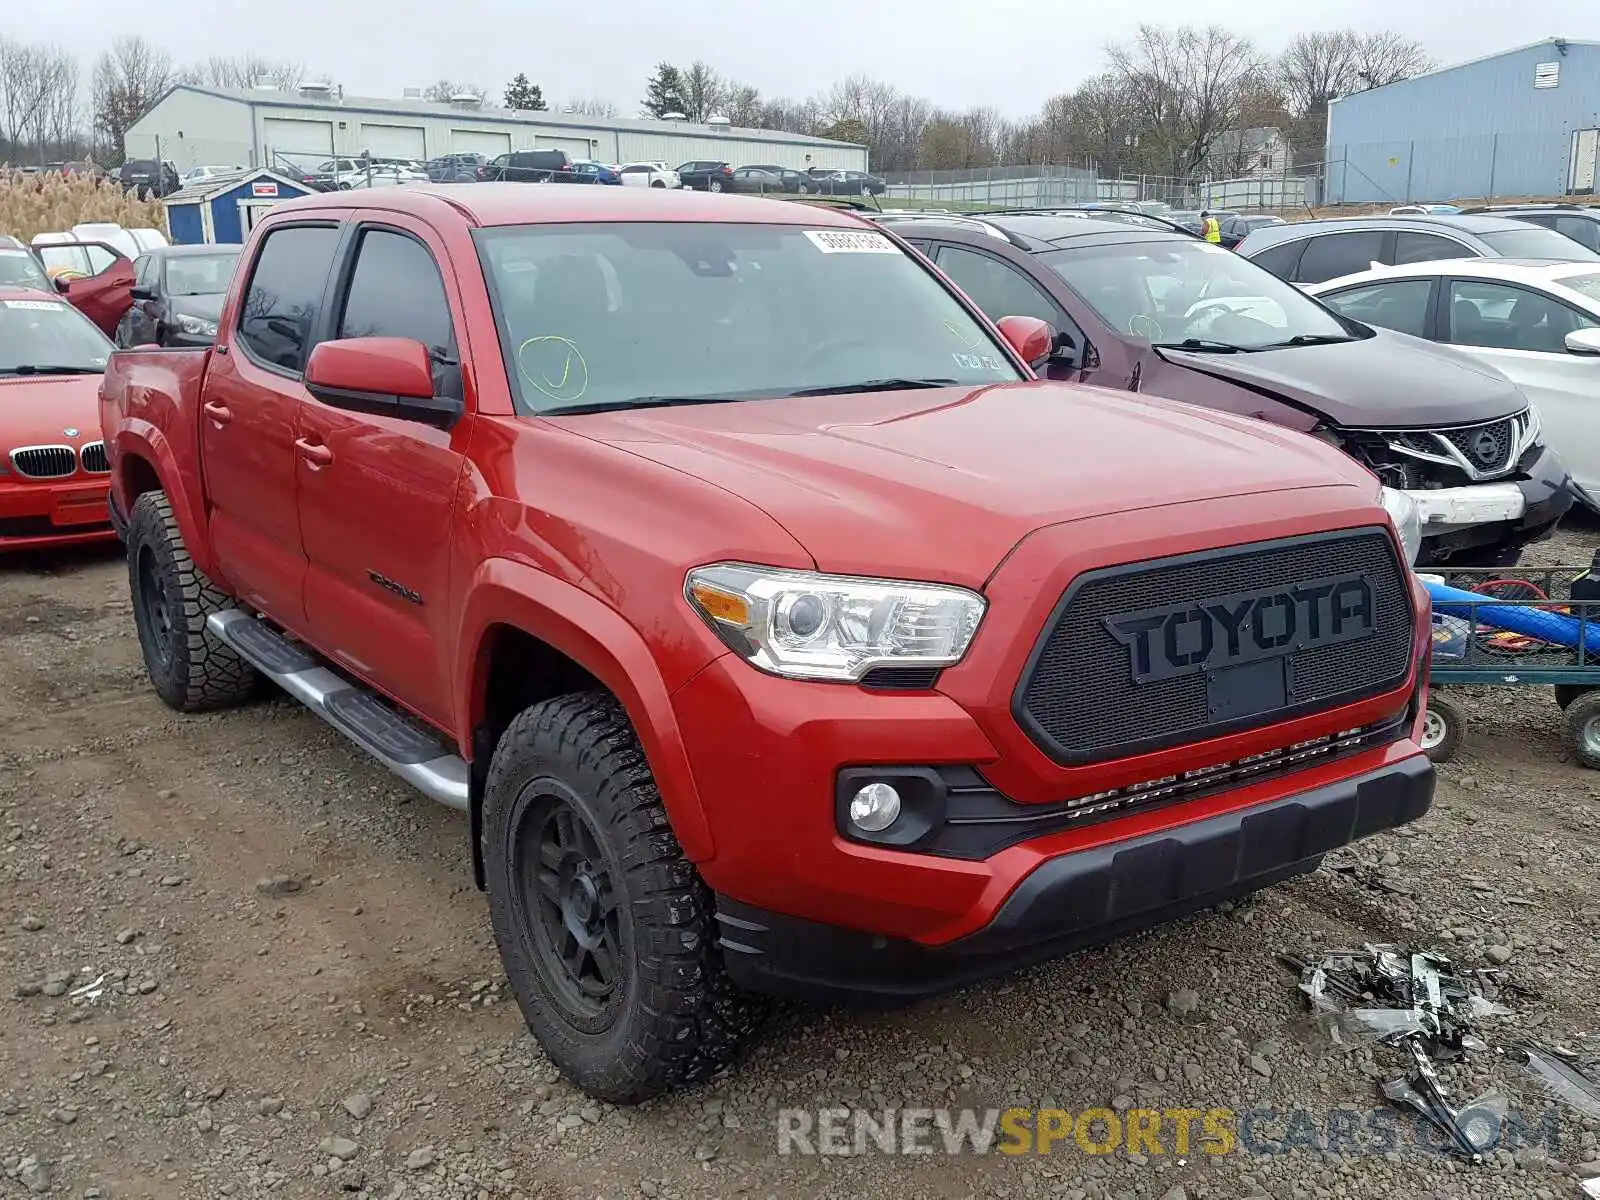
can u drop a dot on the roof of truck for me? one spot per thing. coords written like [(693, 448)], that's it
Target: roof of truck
[(532, 203)]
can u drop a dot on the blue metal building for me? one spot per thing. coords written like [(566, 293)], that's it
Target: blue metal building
[(1525, 122), (225, 209)]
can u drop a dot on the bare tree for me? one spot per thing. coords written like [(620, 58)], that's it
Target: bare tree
[(589, 106), (1385, 58), (1188, 86), (244, 71), (20, 95), (702, 91), (741, 104), (128, 79), (1315, 68), (441, 91)]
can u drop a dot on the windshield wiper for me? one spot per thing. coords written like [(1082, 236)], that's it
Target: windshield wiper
[(1201, 346), (874, 385), (568, 410), (31, 369), (1309, 339)]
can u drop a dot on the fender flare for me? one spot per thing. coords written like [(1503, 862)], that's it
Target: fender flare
[(137, 438), (597, 638)]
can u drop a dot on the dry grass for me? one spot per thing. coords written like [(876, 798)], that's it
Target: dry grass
[(31, 204)]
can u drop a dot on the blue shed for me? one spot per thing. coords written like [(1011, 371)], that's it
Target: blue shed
[(225, 208), (1524, 122)]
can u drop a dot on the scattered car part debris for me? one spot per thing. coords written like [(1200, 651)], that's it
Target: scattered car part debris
[(89, 992), (1416, 1002), (1561, 1078)]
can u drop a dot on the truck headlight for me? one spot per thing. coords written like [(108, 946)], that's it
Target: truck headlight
[(811, 626), (196, 326), (1407, 522)]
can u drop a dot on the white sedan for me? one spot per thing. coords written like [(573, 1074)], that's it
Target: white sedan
[(1536, 322), (649, 174)]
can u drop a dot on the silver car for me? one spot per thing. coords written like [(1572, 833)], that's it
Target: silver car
[(1536, 322), (1308, 252)]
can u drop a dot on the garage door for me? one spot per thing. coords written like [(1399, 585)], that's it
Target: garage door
[(576, 147), (476, 141), (393, 141), (300, 138)]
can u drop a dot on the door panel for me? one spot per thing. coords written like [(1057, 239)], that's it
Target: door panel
[(104, 296), (253, 393), (376, 519)]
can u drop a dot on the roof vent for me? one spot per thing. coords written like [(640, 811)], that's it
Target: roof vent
[(411, 93), (1547, 75), (266, 87), (674, 116), (316, 89), (720, 122), (466, 100)]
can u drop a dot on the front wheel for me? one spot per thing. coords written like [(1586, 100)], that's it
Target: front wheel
[(606, 930), (658, 183), (190, 668)]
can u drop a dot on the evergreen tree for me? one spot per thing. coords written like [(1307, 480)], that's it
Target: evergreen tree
[(523, 95), (664, 91)]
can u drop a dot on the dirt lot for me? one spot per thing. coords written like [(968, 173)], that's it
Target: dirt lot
[(244, 1022)]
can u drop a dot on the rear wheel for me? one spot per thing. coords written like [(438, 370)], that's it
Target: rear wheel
[(605, 928), (714, 186), (191, 669), (1442, 725), (657, 183), (1566, 693)]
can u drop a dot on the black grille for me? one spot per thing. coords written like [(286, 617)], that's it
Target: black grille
[(93, 457), (1078, 700), (1487, 447), (45, 462), (901, 679)]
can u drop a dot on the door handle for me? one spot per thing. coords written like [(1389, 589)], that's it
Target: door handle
[(316, 454), (217, 412)]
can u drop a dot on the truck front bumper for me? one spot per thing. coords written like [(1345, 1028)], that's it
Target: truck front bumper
[(1077, 900)]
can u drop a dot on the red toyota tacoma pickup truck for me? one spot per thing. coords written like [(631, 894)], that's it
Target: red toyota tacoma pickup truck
[(779, 632)]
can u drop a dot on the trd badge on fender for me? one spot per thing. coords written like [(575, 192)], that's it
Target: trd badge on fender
[(1182, 639)]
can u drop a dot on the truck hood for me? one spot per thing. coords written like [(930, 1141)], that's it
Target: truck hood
[(37, 410), (1391, 381), (941, 484)]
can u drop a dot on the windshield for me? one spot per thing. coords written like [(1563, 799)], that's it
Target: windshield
[(18, 268), (620, 314), (41, 334), (1169, 291), (1536, 242), (200, 274), (1588, 285)]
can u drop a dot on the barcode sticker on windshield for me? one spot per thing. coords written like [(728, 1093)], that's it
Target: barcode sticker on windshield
[(851, 241), (35, 305)]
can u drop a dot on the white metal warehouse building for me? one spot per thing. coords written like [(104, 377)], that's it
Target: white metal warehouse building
[(199, 126)]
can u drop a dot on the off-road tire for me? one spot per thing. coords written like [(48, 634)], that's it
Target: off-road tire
[(674, 1018), (1583, 727), (1442, 729), (190, 668)]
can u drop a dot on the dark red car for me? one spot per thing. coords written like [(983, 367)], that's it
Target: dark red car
[(1163, 313)]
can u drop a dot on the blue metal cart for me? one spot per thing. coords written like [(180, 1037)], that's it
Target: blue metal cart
[(1467, 649)]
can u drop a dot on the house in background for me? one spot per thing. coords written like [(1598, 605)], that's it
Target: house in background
[(1249, 154)]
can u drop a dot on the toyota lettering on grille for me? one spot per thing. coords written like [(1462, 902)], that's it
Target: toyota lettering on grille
[(1204, 635)]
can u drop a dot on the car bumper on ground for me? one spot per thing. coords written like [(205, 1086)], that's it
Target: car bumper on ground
[(1494, 520), (1078, 900), (39, 514)]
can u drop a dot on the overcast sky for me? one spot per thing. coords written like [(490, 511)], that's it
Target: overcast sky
[(1011, 54)]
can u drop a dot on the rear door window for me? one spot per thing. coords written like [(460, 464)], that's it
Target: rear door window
[(1283, 261), (1426, 247), (1580, 229), (1336, 254), (279, 315), (1400, 304)]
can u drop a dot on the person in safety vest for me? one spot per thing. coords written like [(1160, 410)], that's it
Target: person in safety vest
[(1212, 229)]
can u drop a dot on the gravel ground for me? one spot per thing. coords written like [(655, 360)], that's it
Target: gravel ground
[(300, 996)]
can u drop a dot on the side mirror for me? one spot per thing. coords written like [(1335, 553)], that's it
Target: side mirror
[(1584, 341), (142, 293), (1031, 338), (384, 376), (62, 285), (1065, 350)]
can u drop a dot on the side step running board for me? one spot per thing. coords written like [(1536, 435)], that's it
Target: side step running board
[(414, 753)]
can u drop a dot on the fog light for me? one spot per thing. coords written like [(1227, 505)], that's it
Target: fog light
[(874, 808)]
